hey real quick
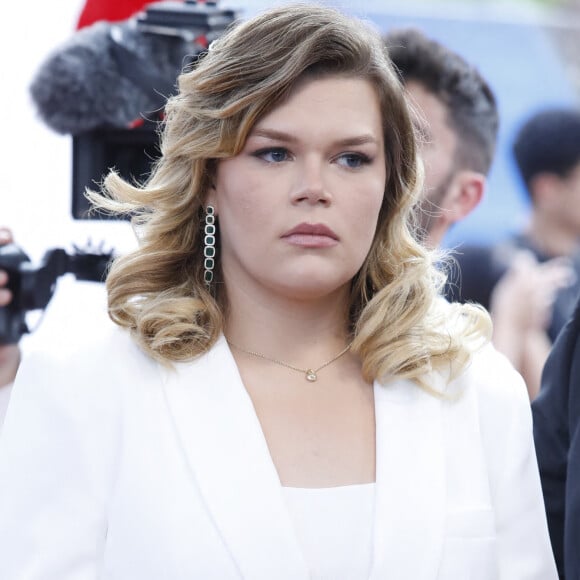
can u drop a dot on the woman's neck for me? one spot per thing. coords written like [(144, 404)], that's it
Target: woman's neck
[(275, 325)]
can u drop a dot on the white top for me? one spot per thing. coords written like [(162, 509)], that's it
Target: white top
[(113, 466), (334, 527)]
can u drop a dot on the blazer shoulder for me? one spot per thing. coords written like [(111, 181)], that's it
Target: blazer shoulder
[(107, 342), (494, 379), (501, 402), (104, 362)]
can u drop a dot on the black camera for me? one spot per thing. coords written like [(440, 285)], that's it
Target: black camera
[(132, 150), (32, 286)]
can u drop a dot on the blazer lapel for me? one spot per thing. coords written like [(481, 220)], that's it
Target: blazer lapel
[(231, 465), (410, 490)]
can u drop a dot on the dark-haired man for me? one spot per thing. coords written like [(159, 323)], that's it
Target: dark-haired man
[(460, 130)]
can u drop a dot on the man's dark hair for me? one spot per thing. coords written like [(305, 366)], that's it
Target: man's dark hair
[(548, 142), (471, 105)]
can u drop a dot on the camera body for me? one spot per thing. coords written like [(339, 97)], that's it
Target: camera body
[(33, 286)]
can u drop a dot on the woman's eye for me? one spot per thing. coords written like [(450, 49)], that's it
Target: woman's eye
[(354, 160), (273, 155)]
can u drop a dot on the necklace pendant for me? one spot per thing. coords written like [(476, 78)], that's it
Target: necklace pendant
[(311, 375)]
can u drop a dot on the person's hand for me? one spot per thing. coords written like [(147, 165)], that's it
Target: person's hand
[(9, 353), (521, 309), (5, 294), (525, 295)]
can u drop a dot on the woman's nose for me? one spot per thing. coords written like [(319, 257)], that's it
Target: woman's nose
[(311, 185)]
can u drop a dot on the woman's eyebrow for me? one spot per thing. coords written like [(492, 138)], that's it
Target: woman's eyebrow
[(277, 135), (358, 140), (273, 134)]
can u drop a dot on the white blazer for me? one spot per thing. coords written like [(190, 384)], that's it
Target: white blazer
[(114, 467)]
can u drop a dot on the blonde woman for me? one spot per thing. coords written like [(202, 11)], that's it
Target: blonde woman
[(285, 394)]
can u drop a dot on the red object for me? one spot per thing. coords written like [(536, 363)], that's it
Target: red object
[(136, 123), (109, 10)]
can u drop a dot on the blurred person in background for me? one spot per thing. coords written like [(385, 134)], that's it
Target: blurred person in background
[(460, 131), (460, 128), (9, 353), (556, 413), (547, 154)]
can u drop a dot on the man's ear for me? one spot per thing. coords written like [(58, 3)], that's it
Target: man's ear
[(464, 195)]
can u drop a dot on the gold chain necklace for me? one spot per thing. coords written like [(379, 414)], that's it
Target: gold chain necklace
[(309, 374)]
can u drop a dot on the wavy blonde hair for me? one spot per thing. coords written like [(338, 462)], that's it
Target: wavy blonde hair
[(400, 324)]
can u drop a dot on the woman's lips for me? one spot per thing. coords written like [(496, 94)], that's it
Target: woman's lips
[(311, 236)]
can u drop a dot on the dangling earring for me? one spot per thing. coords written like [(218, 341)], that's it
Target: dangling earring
[(209, 244)]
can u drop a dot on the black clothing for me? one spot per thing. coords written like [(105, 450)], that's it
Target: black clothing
[(556, 413)]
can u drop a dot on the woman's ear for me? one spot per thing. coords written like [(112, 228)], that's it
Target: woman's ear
[(211, 199), (211, 194)]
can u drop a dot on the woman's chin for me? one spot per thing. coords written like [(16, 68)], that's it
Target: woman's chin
[(313, 287)]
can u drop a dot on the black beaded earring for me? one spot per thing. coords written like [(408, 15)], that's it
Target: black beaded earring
[(209, 244)]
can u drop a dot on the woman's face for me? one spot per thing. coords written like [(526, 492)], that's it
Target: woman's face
[(298, 206)]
